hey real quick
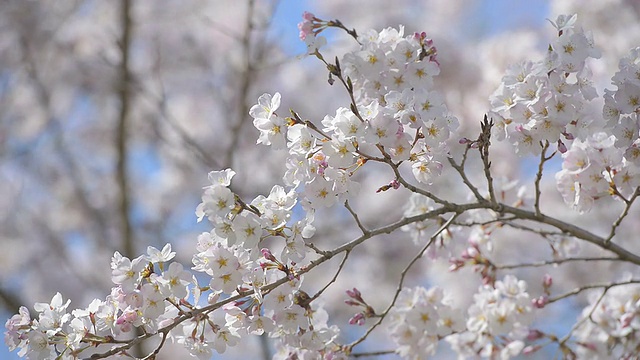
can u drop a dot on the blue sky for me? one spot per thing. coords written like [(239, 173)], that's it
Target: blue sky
[(488, 17)]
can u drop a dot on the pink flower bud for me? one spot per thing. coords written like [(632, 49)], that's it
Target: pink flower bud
[(357, 319), (355, 294), (308, 16), (540, 302), (534, 335), (267, 254), (547, 281), (487, 280), (626, 319), (455, 264), (470, 253), (531, 349), (590, 346), (562, 147)]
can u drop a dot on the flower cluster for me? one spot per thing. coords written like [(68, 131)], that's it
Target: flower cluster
[(392, 78), (497, 322), (396, 112), (145, 289), (231, 257), (607, 162), (150, 295), (420, 319), (613, 326), (542, 102), (310, 27)]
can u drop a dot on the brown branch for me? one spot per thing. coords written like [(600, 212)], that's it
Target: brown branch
[(575, 231), (327, 255)]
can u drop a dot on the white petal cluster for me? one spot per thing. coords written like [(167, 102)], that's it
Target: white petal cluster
[(607, 162), (542, 101), (420, 319), (613, 326), (497, 321)]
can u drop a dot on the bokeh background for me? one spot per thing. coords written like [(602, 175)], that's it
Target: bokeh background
[(109, 124)]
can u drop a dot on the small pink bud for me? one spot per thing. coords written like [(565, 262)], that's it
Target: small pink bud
[(534, 335), (562, 147), (395, 184), (357, 319), (547, 281), (455, 264), (568, 136), (590, 346), (472, 252), (531, 349), (308, 16), (463, 141), (540, 302), (267, 254), (355, 294), (626, 319)]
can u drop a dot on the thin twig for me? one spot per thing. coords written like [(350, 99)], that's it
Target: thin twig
[(335, 276), (401, 283), (553, 262), (355, 217), (581, 321), (592, 286), (484, 142), (463, 175), (622, 216), (415, 189), (372, 353), (543, 159)]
